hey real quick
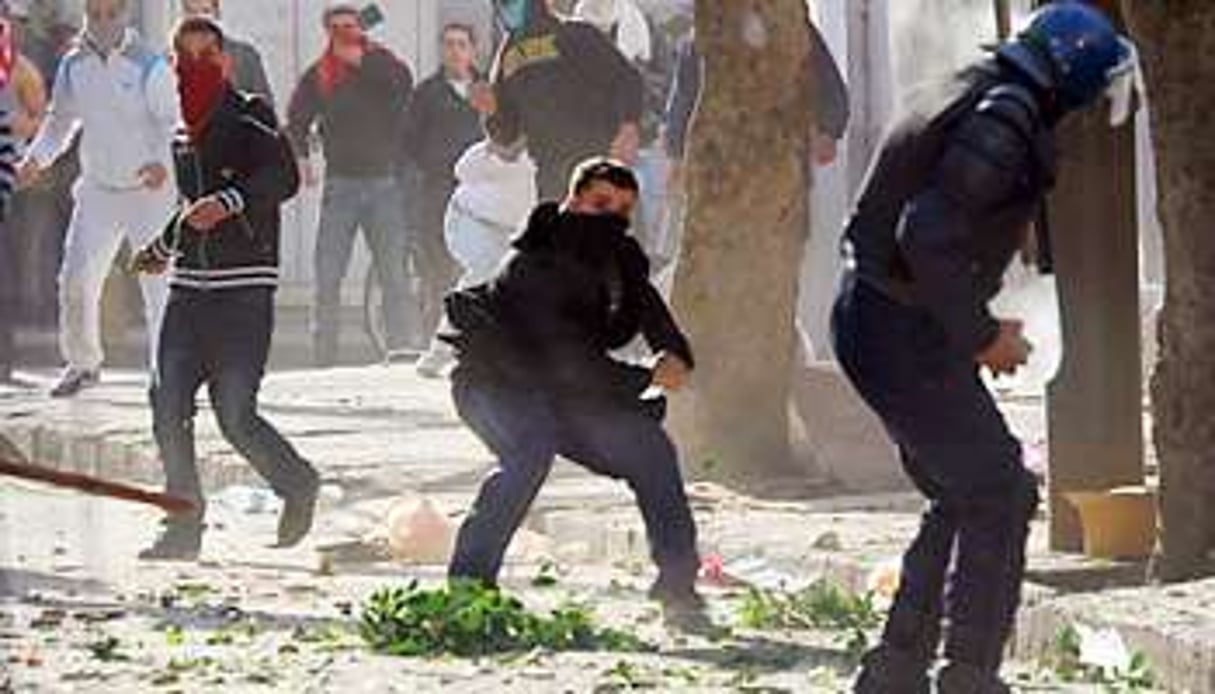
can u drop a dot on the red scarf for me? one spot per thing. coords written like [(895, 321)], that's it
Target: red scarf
[(200, 84), (332, 71)]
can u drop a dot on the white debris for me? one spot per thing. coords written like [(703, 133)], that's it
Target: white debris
[(1103, 648)]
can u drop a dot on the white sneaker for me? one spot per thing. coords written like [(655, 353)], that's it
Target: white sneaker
[(75, 380)]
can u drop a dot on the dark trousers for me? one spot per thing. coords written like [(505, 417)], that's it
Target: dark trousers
[(9, 287), (526, 430), (221, 339), (958, 451), (436, 268)]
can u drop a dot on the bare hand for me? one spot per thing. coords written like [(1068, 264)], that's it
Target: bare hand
[(146, 262), (28, 173), (481, 98), (1009, 352), (627, 143), (153, 176), (206, 214), (671, 373)]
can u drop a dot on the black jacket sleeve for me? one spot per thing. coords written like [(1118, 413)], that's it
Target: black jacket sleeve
[(302, 111), (274, 179), (832, 107), (988, 161), (643, 309)]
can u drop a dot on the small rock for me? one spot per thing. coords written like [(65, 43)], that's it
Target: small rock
[(828, 542)]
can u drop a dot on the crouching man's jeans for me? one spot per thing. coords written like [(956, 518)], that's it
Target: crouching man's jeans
[(958, 451), (526, 430), (376, 206), (220, 338)]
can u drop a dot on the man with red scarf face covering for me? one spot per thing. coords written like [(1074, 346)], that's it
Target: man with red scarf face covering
[(234, 171), (356, 95)]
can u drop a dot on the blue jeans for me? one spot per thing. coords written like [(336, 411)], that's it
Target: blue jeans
[(957, 449), (526, 429), (376, 206), (221, 339)]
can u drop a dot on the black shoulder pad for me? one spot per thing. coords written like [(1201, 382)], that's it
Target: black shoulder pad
[(991, 156), (1016, 106)]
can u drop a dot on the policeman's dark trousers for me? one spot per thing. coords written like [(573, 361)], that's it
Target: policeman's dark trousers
[(526, 430), (221, 339), (968, 560)]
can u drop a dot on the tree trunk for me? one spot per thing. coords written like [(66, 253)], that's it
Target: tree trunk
[(1177, 41), (747, 175)]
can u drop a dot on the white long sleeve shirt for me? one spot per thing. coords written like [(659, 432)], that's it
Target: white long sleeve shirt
[(125, 107), (494, 189)]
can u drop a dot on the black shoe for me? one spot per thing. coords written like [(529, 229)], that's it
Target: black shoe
[(177, 542), (960, 678), (295, 521), (885, 670), (73, 381), (684, 610)]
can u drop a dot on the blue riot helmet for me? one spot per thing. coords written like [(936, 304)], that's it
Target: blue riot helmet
[(515, 14), (1072, 51)]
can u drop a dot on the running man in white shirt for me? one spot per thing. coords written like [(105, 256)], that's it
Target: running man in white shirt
[(120, 95)]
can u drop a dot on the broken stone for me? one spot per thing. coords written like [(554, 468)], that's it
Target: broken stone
[(418, 533)]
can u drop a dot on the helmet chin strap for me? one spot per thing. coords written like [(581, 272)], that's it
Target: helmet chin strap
[(1126, 82)]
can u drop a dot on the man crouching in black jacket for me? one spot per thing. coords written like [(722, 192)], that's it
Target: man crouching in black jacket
[(535, 379), (234, 170)]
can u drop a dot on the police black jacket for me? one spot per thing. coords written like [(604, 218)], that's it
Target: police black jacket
[(950, 197), (245, 160), (575, 288)]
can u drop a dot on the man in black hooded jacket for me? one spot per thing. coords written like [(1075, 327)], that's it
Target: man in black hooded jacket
[(535, 378)]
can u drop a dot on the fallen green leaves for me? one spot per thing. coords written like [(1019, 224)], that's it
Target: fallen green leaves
[(467, 619), (821, 606)]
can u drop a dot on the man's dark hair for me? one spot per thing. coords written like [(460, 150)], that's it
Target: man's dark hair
[(460, 27), (340, 9), (198, 25), (603, 169)]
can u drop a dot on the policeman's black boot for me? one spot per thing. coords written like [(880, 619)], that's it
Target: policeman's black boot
[(886, 670), (908, 651), (963, 678)]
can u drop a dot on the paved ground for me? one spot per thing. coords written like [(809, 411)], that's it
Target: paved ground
[(79, 613)]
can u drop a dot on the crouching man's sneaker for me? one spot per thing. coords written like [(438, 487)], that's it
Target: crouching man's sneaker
[(179, 541), (295, 521), (75, 380)]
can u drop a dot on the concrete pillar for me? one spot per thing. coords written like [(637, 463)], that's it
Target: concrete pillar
[(1095, 416)]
